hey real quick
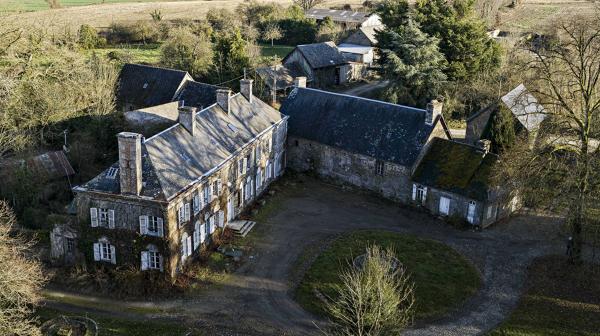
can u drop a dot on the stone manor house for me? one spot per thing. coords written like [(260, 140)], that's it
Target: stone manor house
[(158, 206)]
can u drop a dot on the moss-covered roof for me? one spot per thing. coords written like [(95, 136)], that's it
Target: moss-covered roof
[(456, 167)]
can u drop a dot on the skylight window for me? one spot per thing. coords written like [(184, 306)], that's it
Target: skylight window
[(112, 172), (232, 128)]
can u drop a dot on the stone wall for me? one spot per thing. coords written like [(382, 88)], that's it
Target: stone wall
[(345, 167)]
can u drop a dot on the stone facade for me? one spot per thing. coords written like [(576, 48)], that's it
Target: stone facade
[(388, 179)]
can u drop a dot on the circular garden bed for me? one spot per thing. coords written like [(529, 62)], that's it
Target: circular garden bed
[(443, 278)]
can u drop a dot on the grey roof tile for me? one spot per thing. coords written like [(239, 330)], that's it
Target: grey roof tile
[(385, 131), (146, 86)]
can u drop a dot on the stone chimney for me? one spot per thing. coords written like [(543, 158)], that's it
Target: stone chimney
[(223, 96), (130, 163), (434, 108), (246, 89), (300, 82), (485, 145), (187, 118)]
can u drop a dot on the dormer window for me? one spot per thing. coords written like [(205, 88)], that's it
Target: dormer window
[(112, 172)]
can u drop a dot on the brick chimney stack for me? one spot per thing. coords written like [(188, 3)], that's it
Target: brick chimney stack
[(223, 96), (300, 82), (187, 118), (130, 163), (246, 89), (434, 108)]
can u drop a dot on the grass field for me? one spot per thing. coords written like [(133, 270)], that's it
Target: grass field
[(443, 278), (122, 327), (560, 300), (38, 5)]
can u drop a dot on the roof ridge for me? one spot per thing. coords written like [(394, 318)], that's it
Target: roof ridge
[(363, 98)]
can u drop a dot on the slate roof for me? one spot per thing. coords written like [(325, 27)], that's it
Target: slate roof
[(337, 15), (456, 167), (321, 55), (525, 107), (284, 75), (173, 159), (385, 131), (198, 94), (145, 86), (364, 36), (50, 165)]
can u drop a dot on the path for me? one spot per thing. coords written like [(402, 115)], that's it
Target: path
[(258, 300)]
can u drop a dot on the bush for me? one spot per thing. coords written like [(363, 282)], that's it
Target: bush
[(88, 37), (457, 221), (298, 31)]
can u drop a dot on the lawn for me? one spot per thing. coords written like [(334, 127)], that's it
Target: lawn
[(443, 278), (560, 299), (279, 51), (142, 53), (122, 327)]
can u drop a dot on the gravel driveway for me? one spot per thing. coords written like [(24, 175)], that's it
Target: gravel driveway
[(258, 298)]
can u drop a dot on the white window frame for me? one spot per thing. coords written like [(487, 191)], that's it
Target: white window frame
[(471, 210), (105, 251), (447, 212), (379, 167), (180, 214)]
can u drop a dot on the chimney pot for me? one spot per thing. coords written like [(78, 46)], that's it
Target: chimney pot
[(187, 118), (434, 108), (223, 96), (246, 88), (130, 163), (300, 82)]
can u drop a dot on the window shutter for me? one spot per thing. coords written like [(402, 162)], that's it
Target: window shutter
[(245, 169), (113, 255), (111, 219), (94, 216), (414, 193), (211, 222), (189, 245), (196, 203), (144, 260), (143, 225), (221, 218), (183, 254), (96, 251), (202, 233), (187, 211), (196, 235), (161, 229), (219, 187), (160, 262), (424, 194)]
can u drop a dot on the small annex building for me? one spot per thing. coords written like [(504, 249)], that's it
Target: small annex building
[(346, 18), (323, 64), (366, 143), (528, 115), (454, 180)]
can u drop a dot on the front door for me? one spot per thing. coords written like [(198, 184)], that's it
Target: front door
[(444, 206), (471, 212)]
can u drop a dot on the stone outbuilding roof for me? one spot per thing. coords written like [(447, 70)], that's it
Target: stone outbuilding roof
[(320, 55), (337, 15), (50, 165), (457, 168), (284, 75), (525, 107), (365, 36), (146, 86), (173, 159), (381, 130), (198, 94)]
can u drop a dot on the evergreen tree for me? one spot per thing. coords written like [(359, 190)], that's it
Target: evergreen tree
[(463, 38), (413, 64), (501, 130), (231, 55)]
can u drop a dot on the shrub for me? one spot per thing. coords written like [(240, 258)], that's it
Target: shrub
[(88, 37), (457, 221)]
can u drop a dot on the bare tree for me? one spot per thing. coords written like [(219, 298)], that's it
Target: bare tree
[(375, 298), (20, 279), (54, 4), (308, 4), (272, 32), (560, 172)]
